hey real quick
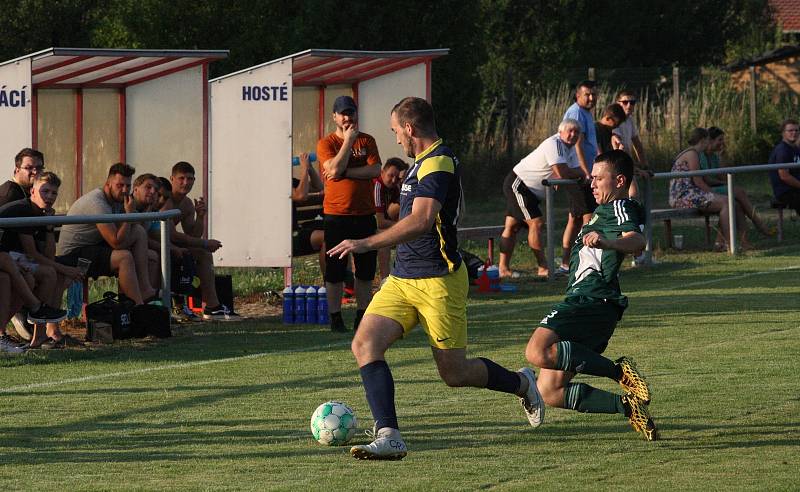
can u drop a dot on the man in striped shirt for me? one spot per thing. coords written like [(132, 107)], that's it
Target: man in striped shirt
[(524, 191)]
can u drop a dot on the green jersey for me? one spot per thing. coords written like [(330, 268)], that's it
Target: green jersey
[(594, 272)]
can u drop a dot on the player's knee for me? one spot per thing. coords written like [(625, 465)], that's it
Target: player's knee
[(45, 273), (537, 355)]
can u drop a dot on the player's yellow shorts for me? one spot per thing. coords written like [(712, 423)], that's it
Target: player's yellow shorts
[(439, 304)]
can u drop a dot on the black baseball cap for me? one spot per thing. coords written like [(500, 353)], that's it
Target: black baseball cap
[(343, 104)]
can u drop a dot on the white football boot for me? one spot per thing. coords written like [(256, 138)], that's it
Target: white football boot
[(387, 445), (532, 402)]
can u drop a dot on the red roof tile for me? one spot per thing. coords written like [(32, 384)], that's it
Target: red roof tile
[(787, 13)]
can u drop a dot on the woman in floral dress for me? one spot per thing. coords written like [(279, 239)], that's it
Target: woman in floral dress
[(694, 192)]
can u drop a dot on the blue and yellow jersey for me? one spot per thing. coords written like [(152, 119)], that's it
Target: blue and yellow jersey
[(436, 174)]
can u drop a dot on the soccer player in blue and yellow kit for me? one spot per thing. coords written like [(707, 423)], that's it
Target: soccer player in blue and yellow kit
[(571, 338), (428, 285)]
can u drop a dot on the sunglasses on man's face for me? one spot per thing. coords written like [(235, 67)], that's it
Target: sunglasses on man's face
[(628, 101)]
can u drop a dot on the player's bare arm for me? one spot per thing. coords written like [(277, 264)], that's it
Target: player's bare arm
[(630, 242), (421, 219)]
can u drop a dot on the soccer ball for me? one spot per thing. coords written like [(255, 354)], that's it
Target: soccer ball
[(333, 423)]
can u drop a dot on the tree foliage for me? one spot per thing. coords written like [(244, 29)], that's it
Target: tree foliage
[(534, 41)]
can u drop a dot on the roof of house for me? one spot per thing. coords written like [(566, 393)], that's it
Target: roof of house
[(787, 13)]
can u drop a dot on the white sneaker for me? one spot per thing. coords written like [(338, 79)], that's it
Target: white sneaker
[(532, 403), (21, 325), (387, 445)]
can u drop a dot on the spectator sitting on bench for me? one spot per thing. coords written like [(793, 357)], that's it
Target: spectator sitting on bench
[(33, 249), (387, 204), (192, 221), (28, 164), (113, 249), (711, 159), (786, 182), (693, 192), (20, 295), (146, 198), (307, 237)]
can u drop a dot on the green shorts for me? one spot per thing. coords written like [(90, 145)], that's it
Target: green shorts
[(584, 320)]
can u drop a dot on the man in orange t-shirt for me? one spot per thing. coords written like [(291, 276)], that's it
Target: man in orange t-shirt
[(349, 161)]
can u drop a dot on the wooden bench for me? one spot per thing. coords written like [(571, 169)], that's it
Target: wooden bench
[(477, 233), (667, 214)]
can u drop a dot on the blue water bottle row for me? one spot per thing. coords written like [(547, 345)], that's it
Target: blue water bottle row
[(305, 304)]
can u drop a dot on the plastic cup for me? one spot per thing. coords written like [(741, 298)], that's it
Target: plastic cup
[(677, 240), (83, 265)]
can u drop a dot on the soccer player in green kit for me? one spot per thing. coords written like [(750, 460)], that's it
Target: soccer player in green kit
[(571, 338)]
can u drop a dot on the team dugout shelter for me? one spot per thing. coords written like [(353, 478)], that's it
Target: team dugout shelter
[(264, 115), (86, 109)]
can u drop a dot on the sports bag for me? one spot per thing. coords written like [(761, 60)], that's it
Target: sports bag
[(116, 311)]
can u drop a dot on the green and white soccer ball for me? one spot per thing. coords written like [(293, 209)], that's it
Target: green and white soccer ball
[(333, 423)]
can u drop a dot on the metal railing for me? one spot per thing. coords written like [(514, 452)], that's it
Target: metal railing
[(162, 217), (648, 201)]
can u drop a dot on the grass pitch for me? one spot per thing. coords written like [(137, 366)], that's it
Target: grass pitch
[(228, 408)]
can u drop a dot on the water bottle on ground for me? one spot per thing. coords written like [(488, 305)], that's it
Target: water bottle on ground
[(312, 316), (494, 278), (322, 306), (288, 306), (300, 304)]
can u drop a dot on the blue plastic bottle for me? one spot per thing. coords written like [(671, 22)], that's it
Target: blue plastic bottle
[(311, 158), (311, 305), (299, 304), (288, 306), (322, 306)]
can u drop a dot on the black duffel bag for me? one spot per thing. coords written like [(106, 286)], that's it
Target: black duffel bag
[(116, 311), (151, 319)]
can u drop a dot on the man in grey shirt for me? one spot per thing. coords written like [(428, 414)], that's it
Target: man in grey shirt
[(114, 249)]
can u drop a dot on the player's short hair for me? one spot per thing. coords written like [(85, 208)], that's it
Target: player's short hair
[(48, 177), (624, 92), (28, 152), (140, 179), (784, 124), (619, 162), (121, 168), (416, 111), (396, 162), (568, 124), (697, 135), (589, 84), (715, 132), (182, 167), (615, 112)]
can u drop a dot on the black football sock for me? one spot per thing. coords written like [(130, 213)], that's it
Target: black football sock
[(500, 378), (379, 387)]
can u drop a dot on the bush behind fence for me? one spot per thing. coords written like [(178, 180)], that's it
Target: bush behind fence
[(706, 99)]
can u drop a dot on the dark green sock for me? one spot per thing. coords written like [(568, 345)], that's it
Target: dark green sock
[(574, 357), (583, 398)]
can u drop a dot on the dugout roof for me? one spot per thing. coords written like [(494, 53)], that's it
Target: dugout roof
[(319, 67), (65, 68)]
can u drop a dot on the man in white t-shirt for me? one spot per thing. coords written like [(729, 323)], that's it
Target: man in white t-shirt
[(523, 189), (628, 137)]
